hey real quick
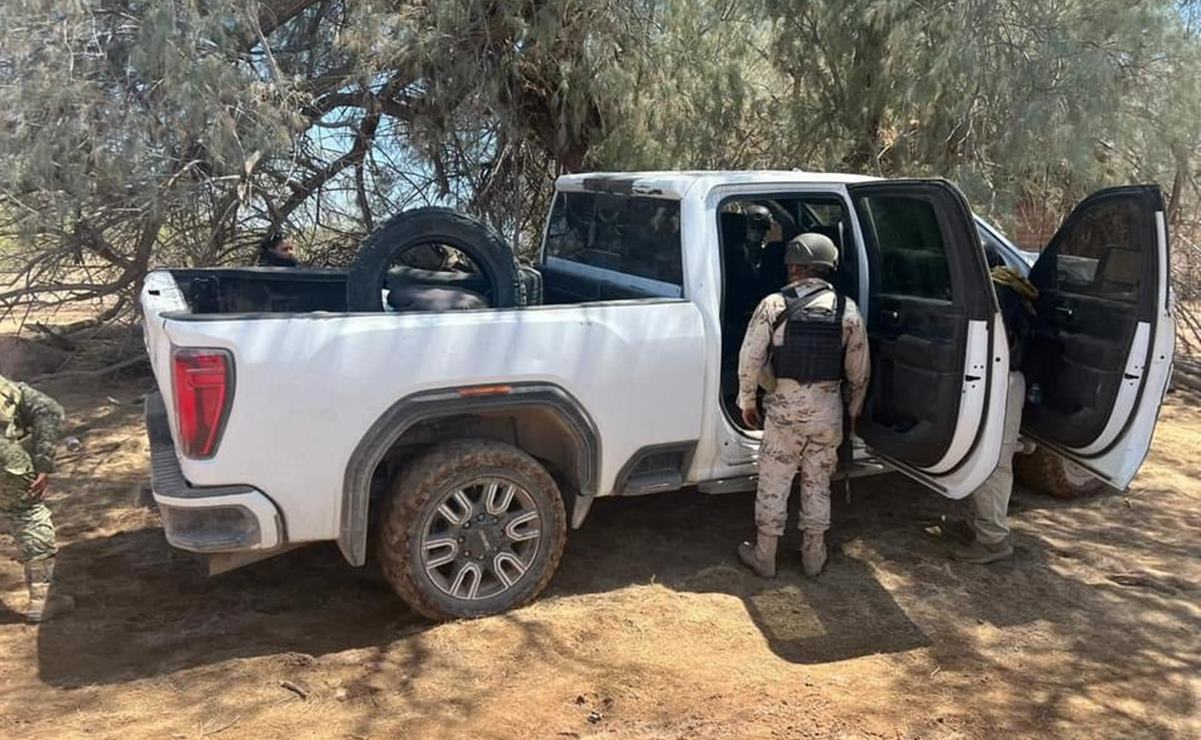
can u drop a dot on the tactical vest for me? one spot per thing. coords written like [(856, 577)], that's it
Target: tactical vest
[(812, 351), (10, 401)]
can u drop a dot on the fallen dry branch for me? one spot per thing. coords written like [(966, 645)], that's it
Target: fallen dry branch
[(222, 728), (1190, 323), (1182, 378), (1189, 366), (295, 689), (102, 318), (54, 337), (100, 372)]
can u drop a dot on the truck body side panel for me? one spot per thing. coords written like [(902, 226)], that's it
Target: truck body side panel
[(309, 386)]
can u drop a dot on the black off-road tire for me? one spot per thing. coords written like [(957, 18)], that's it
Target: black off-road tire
[(486, 248), (1047, 473), (422, 487)]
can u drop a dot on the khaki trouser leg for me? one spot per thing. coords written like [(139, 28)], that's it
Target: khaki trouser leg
[(819, 459), (779, 457), (990, 502)]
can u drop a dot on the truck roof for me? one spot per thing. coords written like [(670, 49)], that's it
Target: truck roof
[(678, 183)]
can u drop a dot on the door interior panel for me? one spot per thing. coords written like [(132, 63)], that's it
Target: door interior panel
[(917, 365), (928, 282), (1078, 357), (1092, 293)]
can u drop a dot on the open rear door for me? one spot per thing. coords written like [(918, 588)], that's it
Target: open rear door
[(935, 407), (1101, 351)]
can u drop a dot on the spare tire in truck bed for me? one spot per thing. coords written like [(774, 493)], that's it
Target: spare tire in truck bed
[(369, 274)]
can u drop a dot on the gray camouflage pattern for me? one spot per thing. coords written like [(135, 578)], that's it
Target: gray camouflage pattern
[(803, 425)]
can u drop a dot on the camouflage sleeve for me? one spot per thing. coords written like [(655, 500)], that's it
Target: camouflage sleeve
[(45, 419), (14, 460), (755, 348), (857, 363)]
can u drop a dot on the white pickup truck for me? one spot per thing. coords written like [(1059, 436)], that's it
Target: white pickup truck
[(470, 439)]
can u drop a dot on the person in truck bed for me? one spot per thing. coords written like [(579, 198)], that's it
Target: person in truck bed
[(276, 250), (815, 338), (30, 423)]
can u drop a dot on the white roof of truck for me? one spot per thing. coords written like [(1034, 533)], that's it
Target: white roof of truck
[(678, 183)]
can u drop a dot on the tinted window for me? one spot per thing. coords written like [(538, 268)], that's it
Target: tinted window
[(820, 214), (631, 235), (910, 244), (1100, 254)]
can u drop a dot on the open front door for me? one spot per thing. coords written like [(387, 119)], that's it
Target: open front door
[(1101, 351), (935, 407)]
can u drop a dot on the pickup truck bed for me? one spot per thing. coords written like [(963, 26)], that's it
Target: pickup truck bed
[(262, 290), (326, 378)]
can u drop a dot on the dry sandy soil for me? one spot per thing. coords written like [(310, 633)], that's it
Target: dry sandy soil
[(649, 628)]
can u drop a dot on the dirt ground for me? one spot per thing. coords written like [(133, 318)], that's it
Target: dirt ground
[(649, 629)]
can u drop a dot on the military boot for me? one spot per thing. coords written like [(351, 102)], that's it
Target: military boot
[(813, 553), (39, 574), (761, 555), (982, 553)]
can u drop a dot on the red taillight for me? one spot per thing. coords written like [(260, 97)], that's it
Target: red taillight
[(203, 389)]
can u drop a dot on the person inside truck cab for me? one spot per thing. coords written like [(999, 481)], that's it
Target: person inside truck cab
[(802, 343), (743, 237)]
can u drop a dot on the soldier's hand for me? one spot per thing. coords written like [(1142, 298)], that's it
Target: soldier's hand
[(38, 487), (751, 418)]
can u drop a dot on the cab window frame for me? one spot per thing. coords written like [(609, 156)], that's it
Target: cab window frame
[(673, 285)]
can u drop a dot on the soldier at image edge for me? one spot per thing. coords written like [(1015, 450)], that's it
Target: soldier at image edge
[(30, 429)]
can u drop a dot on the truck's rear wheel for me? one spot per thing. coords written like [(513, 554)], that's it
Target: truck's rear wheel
[(471, 528), (1048, 473)]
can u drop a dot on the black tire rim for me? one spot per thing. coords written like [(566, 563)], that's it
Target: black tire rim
[(480, 539)]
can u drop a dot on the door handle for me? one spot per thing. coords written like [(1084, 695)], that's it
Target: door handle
[(890, 316), (1064, 312)]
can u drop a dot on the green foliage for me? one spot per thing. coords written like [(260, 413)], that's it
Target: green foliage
[(144, 132), (1010, 98)]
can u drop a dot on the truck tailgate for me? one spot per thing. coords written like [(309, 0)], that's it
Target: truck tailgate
[(160, 296)]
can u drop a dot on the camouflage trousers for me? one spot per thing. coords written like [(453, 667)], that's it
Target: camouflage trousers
[(27, 517), (803, 429)]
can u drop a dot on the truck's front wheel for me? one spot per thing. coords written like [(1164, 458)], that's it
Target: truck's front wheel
[(471, 528)]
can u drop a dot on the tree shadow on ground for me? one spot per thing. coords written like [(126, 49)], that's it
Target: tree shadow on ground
[(157, 612), (146, 610)]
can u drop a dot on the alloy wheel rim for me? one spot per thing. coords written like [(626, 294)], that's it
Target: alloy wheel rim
[(481, 539)]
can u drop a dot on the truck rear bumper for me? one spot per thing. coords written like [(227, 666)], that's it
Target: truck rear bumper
[(205, 519)]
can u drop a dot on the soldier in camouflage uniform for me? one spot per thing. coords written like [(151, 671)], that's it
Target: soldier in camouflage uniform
[(30, 424), (804, 418)]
